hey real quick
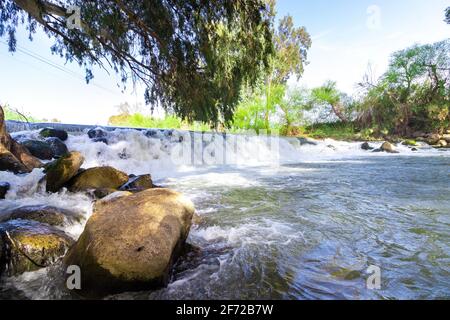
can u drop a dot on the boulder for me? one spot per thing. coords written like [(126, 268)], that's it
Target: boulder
[(4, 187), (39, 149), (42, 213), (366, 146), (54, 133), (103, 192), (98, 178), (13, 156), (30, 245), (59, 172), (58, 147), (388, 147), (97, 133), (433, 138), (446, 137), (131, 243), (138, 183), (441, 144)]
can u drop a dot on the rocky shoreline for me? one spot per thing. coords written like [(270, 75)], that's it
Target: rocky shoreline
[(130, 242)]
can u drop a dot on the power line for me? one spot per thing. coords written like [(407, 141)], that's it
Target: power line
[(56, 66)]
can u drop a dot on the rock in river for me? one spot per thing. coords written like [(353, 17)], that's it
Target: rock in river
[(4, 187), (39, 149), (55, 133), (366, 146), (98, 178), (62, 170), (138, 183), (42, 213), (388, 147), (30, 245), (131, 243), (58, 147)]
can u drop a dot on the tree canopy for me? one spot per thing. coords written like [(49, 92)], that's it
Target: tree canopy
[(193, 56), (447, 15)]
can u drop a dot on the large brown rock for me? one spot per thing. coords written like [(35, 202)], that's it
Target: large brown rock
[(388, 147), (30, 245), (13, 156), (131, 243), (59, 172), (98, 178)]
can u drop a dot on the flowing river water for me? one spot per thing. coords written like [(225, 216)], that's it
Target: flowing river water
[(294, 221)]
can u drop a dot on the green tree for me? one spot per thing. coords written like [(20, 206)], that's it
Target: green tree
[(414, 92), (329, 95), (447, 15), (193, 56), (291, 47)]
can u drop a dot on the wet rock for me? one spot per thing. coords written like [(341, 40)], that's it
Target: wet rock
[(414, 149), (433, 138), (42, 213), (306, 141), (98, 178), (110, 198), (138, 183), (97, 133), (54, 133), (441, 144), (59, 172), (13, 156), (4, 187), (30, 245), (388, 147), (366, 146), (8, 162), (132, 242), (151, 133), (57, 146), (103, 192), (446, 137), (39, 149)]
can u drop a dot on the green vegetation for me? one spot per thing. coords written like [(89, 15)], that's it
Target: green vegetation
[(194, 57), (11, 114)]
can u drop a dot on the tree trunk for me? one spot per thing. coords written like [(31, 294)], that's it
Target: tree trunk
[(13, 156)]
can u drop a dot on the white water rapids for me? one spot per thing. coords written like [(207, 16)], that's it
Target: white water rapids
[(281, 217)]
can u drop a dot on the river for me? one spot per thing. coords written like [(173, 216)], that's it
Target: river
[(290, 221)]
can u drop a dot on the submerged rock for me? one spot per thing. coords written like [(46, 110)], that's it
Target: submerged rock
[(62, 170), (58, 147), (138, 183), (42, 213), (54, 133), (29, 246), (4, 187), (98, 178), (131, 243), (39, 149), (366, 146)]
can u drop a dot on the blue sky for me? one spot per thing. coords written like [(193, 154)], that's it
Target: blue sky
[(347, 35)]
